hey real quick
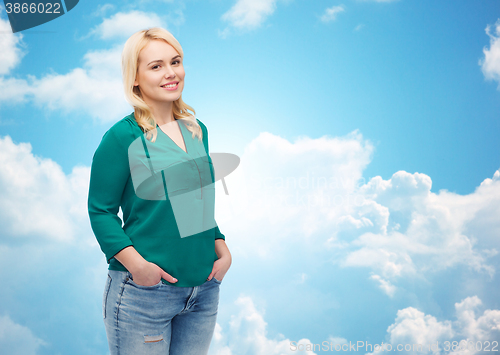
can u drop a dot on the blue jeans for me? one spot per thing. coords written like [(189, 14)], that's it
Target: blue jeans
[(160, 319)]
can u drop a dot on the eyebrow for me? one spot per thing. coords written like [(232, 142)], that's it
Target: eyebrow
[(161, 61)]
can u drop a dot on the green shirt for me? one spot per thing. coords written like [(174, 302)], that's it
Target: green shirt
[(161, 190)]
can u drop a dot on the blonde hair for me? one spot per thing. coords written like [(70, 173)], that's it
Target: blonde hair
[(130, 63)]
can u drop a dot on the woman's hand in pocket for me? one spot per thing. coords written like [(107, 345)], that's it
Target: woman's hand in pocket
[(150, 274), (222, 264), (144, 273), (220, 267)]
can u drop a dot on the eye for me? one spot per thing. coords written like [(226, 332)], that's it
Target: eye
[(176, 61), (154, 66)]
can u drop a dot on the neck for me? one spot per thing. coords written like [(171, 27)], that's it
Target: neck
[(162, 112)]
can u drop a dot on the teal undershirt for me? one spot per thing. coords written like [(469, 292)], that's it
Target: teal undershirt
[(148, 225)]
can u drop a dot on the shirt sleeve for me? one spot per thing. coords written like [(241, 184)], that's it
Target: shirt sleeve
[(218, 234), (108, 177)]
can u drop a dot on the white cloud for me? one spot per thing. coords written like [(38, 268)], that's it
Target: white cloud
[(45, 237), (307, 195), (330, 13), (486, 327), (16, 339), (102, 9), (294, 189), (385, 285), (95, 89), (123, 25), (490, 64), (249, 14), (417, 231), (11, 53), (247, 334), (14, 91), (38, 200), (413, 327)]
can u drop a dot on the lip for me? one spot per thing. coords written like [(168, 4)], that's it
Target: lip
[(171, 89)]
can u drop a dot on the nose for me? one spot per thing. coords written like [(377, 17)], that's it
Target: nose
[(169, 72)]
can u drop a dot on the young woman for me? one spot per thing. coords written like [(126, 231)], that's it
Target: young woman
[(166, 264)]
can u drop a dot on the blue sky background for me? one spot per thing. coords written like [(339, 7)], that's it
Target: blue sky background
[(395, 103)]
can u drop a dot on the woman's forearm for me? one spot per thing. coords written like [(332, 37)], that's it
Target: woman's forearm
[(131, 259), (221, 248)]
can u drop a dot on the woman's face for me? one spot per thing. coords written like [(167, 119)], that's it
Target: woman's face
[(159, 64)]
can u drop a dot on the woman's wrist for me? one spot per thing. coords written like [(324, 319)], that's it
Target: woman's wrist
[(221, 249), (131, 259)]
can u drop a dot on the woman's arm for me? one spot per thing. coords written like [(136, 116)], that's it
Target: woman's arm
[(109, 174), (222, 264), (108, 177)]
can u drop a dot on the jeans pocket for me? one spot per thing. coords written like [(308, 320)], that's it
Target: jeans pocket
[(217, 281), (132, 283), (105, 296)]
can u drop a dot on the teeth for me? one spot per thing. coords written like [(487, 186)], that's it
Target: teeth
[(169, 86)]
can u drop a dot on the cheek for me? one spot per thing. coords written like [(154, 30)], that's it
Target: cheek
[(181, 74), (151, 81)]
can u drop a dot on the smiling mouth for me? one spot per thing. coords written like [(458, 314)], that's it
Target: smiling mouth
[(171, 86)]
